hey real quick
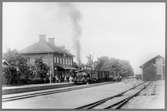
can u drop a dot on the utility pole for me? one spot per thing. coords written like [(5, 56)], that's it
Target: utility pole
[(50, 76)]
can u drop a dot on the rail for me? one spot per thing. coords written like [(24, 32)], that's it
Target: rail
[(47, 92), (118, 100)]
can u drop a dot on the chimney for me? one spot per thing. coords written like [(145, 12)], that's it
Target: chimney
[(51, 41), (42, 38)]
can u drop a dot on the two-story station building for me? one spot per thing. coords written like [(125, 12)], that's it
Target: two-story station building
[(59, 60)]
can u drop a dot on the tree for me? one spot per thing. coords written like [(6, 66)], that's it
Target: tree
[(116, 66), (41, 69), (90, 60), (10, 75), (11, 57), (126, 68), (24, 69), (17, 61), (101, 63)]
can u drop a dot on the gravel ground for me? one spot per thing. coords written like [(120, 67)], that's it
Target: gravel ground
[(71, 99), (151, 98)]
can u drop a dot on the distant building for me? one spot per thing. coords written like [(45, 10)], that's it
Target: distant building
[(154, 69), (57, 58), (138, 76)]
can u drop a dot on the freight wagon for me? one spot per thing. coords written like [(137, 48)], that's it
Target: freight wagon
[(93, 76)]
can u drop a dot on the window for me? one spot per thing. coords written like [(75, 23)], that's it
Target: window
[(28, 59), (32, 60), (67, 61), (57, 59), (61, 59), (70, 61)]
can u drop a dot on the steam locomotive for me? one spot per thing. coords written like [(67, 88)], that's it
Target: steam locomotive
[(93, 76)]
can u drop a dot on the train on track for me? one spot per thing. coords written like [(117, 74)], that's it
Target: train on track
[(93, 76)]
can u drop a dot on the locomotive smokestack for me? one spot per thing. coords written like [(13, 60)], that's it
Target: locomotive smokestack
[(74, 14)]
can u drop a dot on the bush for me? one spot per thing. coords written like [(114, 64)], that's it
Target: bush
[(36, 81), (41, 69), (18, 71), (10, 75)]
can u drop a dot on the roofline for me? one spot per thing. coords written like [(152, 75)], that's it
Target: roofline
[(25, 53), (45, 53), (150, 60)]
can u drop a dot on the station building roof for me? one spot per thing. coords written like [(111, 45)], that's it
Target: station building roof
[(150, 60), (43, 46)]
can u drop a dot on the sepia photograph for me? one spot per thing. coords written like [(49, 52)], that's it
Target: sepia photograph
[(83, 55)]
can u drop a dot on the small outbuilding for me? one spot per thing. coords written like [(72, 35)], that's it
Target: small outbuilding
[(154, 69)]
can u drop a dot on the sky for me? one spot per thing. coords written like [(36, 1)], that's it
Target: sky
[(127, 31)]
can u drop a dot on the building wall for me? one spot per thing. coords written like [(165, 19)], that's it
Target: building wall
[(47, 58), (149, 72), (154, 69), (160, 68), (51, 60), (63, 60)]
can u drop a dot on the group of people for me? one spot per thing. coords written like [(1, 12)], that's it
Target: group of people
[(63, 77)]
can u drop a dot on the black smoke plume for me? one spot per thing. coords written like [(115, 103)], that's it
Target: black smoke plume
[(74, 14)]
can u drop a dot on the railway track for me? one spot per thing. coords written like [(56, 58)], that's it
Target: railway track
[(117, 101), (41, 93)]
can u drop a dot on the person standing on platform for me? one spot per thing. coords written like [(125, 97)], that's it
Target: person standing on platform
[(70, 79)]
